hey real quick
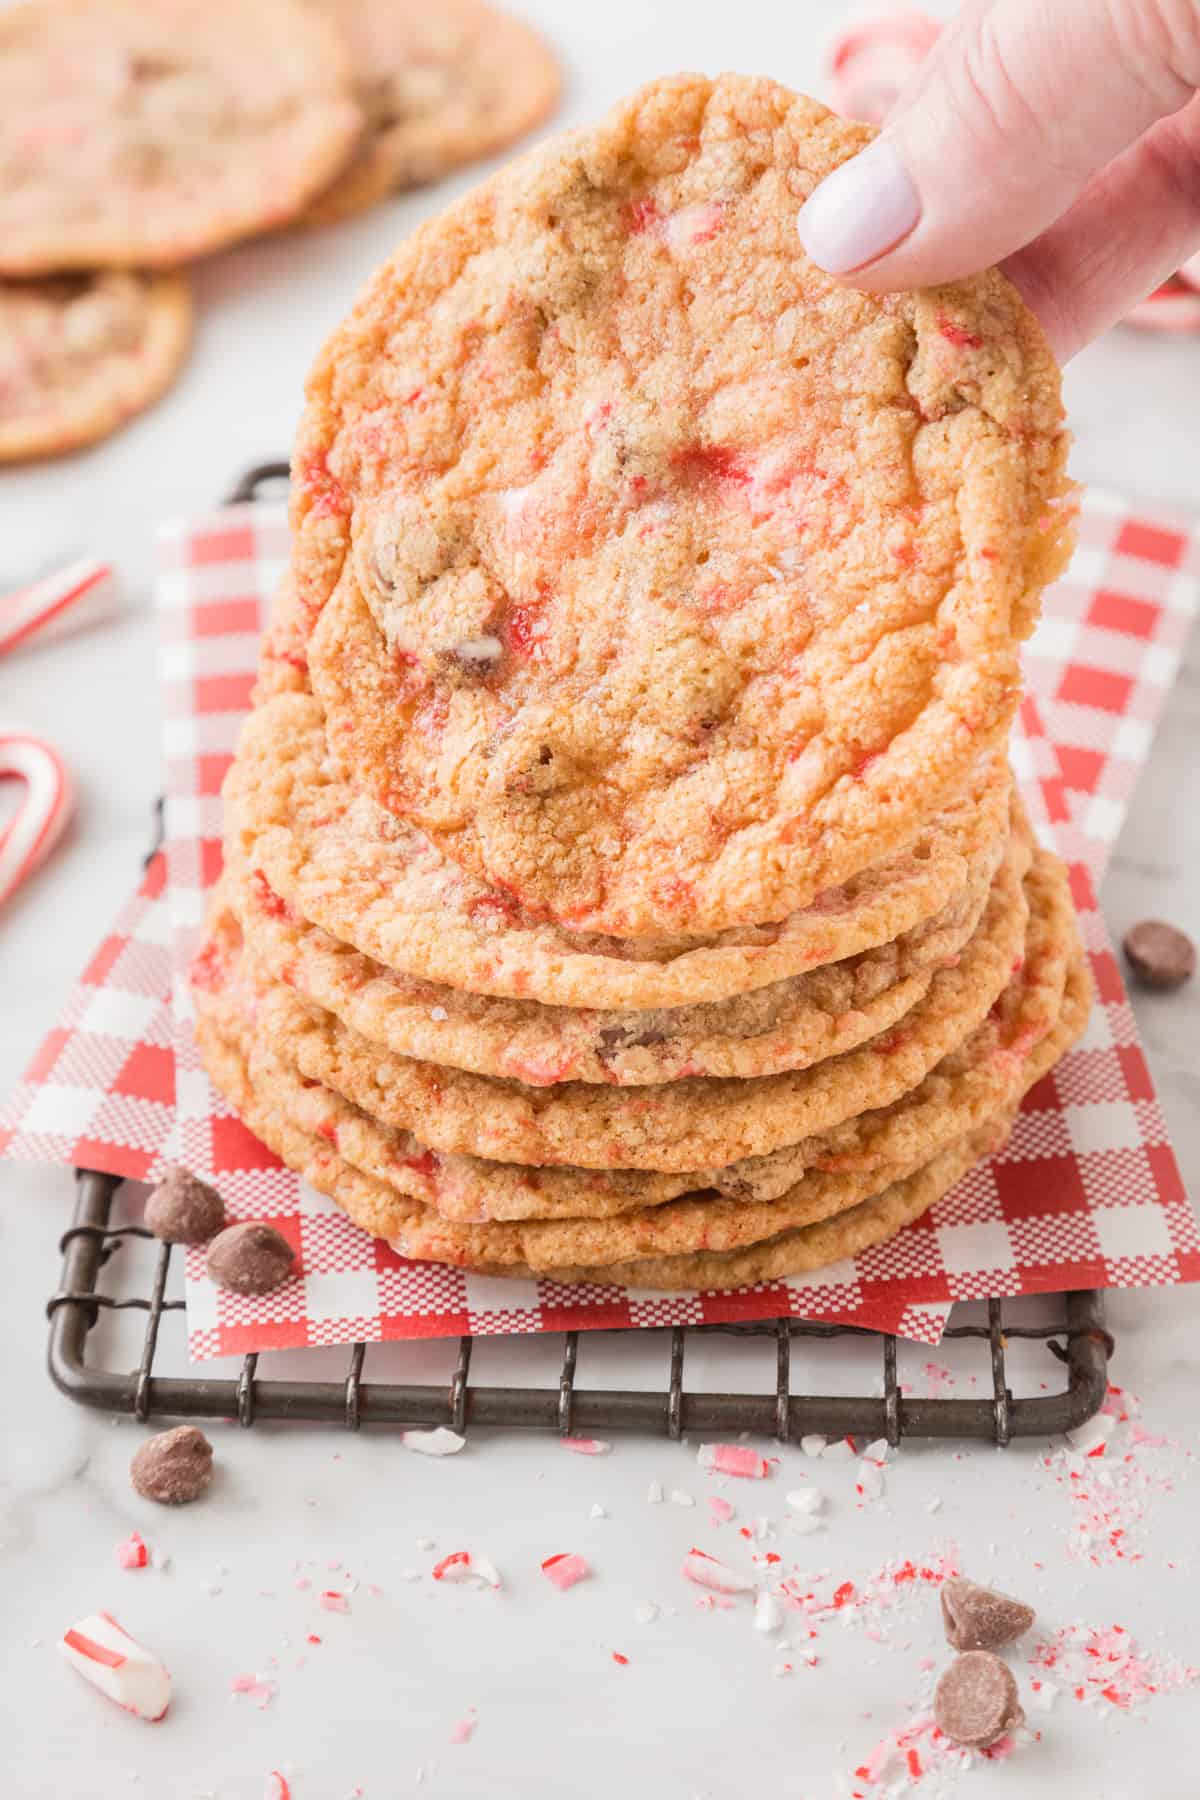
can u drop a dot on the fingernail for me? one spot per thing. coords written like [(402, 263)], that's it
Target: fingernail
[(863, 209)]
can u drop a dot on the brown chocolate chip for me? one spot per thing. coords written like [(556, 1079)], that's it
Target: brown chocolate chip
[(1160, 955), (975, 1702), (184, 1210), (978, 1618), (250, 1259), (173, 1467), (627, 1037)]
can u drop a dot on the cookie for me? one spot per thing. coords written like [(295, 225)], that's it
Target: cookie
[(439, 86), (283, 651), (663, 580), (139, 135), (788, 1025), (678, 1227), (81, 354), (494, 1248), (370, 880), (676, 1126)]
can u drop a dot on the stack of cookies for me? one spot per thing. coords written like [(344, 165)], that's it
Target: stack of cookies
[(624, 879)]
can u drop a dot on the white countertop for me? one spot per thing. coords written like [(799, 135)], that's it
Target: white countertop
[(696, 1711)]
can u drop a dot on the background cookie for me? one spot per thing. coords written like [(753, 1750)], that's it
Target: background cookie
[(665, 581), (147, 135), (81, 354), (440, 83)]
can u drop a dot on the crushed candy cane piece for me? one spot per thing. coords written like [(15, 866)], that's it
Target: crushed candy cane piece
[(565, 1570), (598, 1512), (878, 1451), (460, 1565), (733, 1459), (586, 1446), (1091, 1438), (805, 1500), (654, 1494), (256, 1687), (645, 1615), (722, 1511), (277, 1787), (680, 1497), (462, 1731), (439, 1442), (768, 1613), (124, 1671), (869, 1480), (621, 1660), (840, 1451), (334, 1602), (813, 1444), (707, 1572), (132, 1554)]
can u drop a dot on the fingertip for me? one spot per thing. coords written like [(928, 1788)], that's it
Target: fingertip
[(861, 212)]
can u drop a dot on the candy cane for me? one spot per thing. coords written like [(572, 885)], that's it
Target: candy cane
[(1173, 307), (38, 823), (57, 604), (125, 1671), (869, 63)]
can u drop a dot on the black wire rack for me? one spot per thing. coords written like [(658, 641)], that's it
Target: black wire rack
[(1077, 1340)]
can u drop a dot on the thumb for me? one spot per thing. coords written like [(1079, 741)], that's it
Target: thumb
[(1018, 104)]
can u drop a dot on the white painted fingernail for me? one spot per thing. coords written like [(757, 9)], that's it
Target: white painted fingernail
[(860, 211)]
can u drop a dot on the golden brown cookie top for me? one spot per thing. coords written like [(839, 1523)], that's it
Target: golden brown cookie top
[(663, 581), (146, 134)]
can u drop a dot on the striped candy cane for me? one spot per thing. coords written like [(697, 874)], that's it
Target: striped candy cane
[(1173, 307), (57, 604), (38, 823), (870, 62)]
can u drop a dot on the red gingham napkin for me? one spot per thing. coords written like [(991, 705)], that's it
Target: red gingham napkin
[(1087, 1193)]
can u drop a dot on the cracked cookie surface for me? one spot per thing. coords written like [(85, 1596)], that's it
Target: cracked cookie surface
[(339, 860), (659, 578)]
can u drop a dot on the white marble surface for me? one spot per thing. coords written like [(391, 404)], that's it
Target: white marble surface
[(696, 1711)]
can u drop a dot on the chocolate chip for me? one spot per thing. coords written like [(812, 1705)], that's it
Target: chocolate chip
[(627, 1037), (978, 1618), (173, 1467), (184, 1210), (976, 1702), (1160, 955), (250, 1259)]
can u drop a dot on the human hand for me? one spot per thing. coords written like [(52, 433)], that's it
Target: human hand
[(1059, 138)]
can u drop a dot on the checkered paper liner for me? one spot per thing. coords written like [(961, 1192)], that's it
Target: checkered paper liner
[(1087, 1193)]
